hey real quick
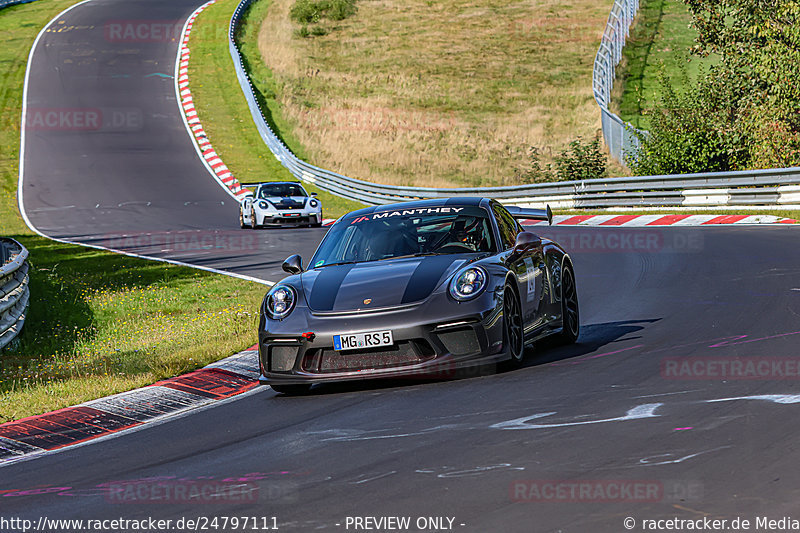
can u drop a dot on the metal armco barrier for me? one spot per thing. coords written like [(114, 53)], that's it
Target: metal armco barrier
[(14, 291), (775, 187)]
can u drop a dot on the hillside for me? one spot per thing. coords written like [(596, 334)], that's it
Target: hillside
[(446, 93)]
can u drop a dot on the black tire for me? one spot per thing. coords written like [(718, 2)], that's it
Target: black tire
[(253, 223), (570, 311), (316, 225), (514, 330), (291, 390)]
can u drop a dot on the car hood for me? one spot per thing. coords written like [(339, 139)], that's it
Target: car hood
[(287, 201), (377, 284)]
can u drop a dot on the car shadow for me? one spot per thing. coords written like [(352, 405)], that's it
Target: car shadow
[(593, 337)]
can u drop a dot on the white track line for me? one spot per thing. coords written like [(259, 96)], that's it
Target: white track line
[(20, 200)]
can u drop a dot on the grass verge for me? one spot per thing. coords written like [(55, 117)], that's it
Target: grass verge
[(445, 94), (223, 110), (659, 41), (100, 323)]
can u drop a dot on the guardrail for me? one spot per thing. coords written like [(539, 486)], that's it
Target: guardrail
[(620, 136), (775, 187), (14, 290), (7, 3)]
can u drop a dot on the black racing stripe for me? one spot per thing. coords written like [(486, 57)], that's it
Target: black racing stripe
[(326, 287), (426, 277), (463, 200), (361, 212)]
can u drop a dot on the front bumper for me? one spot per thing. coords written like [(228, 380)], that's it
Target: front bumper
[(290, 217), (471, 335)]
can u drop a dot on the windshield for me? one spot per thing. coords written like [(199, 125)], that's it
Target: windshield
[(281, 189), (389, 234)]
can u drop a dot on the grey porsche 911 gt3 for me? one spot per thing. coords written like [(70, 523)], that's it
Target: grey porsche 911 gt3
[(415, 288)]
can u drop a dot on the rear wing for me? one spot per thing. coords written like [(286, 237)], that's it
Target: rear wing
[(532, 214)]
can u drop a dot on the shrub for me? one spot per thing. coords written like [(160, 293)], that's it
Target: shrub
[(313, 11), (535, 173), (305, 12), (340, 9), (697, 130), (579, 161)]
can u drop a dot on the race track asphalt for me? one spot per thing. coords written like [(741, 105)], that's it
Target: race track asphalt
[(107, 158), (636, 420)]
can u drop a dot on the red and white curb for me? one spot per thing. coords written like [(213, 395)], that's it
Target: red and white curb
[(637, 221), (37, 435), (210, 157)]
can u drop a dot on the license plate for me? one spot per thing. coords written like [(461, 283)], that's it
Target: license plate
[(356, 341)]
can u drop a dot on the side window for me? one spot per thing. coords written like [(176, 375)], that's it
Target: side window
[(507, 225)]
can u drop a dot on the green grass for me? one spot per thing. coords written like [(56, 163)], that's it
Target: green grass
[(660, 40), (100, 323), (223, 110)]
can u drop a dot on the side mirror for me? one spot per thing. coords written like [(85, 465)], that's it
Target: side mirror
[(293, 264), (526, 241), (313, 194)]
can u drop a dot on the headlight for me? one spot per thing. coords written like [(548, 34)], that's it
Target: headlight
[(313, 203), (263, 204), (468, 283), (280, 301)]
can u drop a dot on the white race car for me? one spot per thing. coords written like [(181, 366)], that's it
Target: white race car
[(280, 202)]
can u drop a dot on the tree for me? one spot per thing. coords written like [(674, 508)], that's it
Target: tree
[(744, 112)]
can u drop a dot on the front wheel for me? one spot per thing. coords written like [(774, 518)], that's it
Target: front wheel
[(291, 390), (241, 220), (570, 312), (253, 223), (514, 330)]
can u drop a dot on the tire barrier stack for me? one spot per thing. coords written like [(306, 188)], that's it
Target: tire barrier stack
[(14, 290)]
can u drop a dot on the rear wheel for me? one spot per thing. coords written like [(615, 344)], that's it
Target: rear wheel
[(291, 390), (514, 331), (570, 312)]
